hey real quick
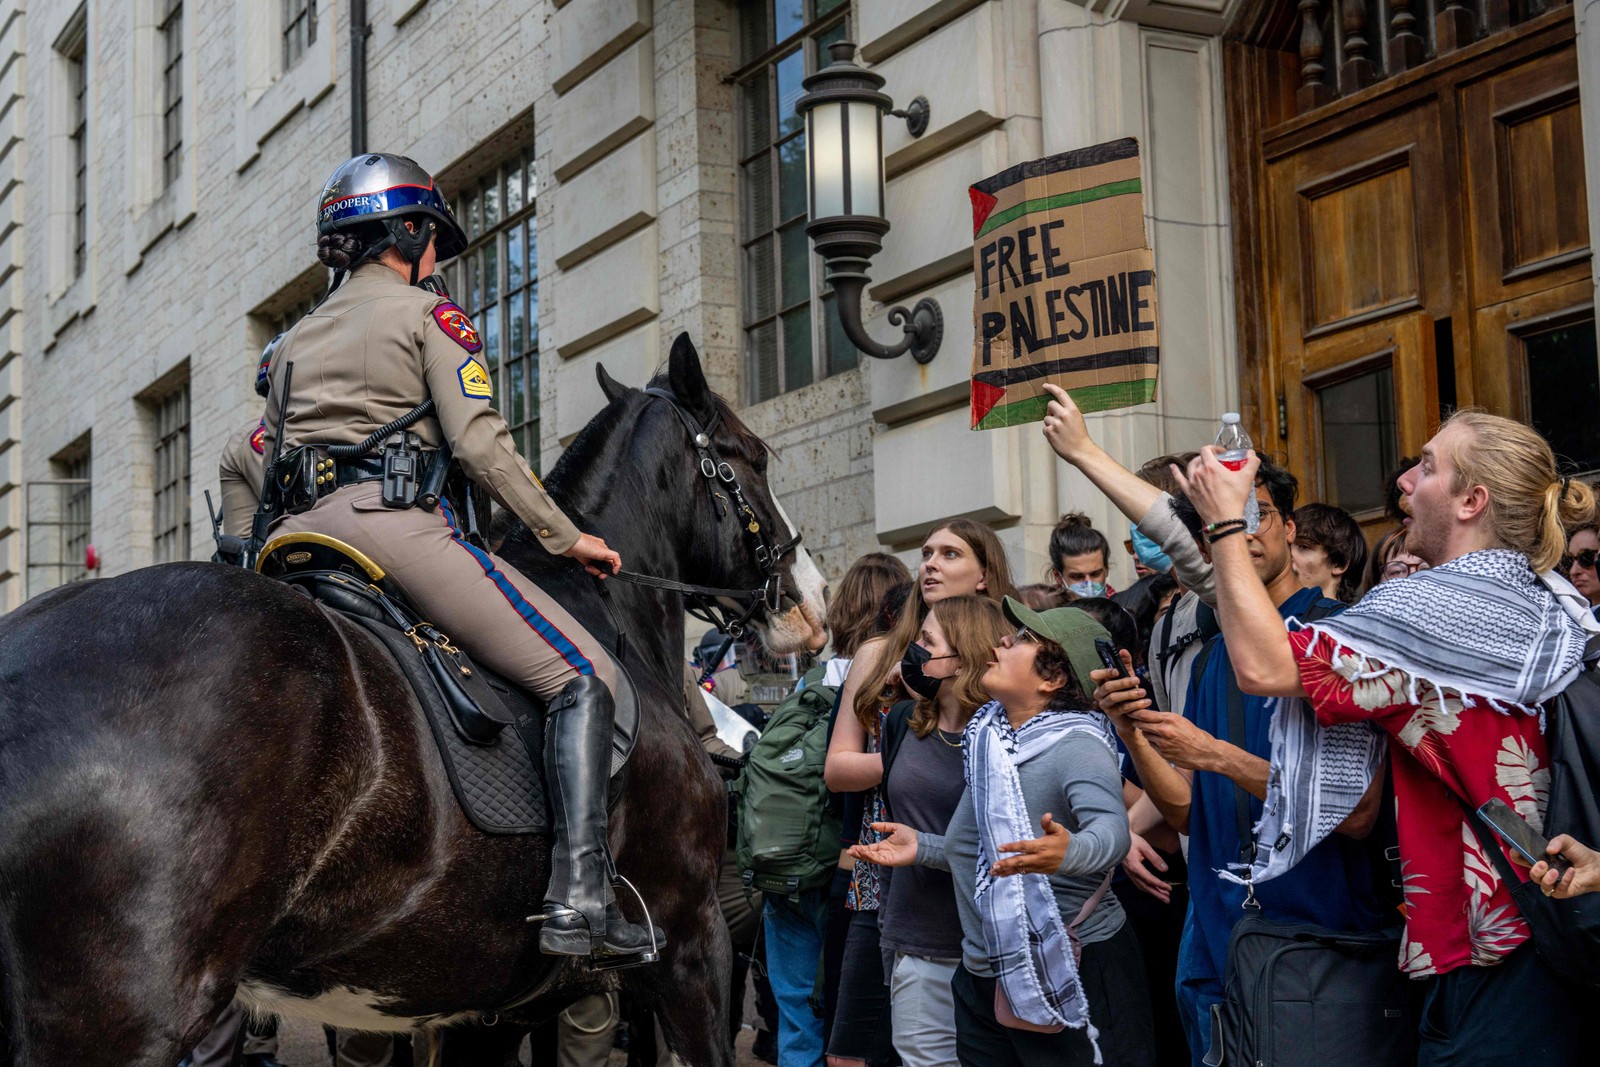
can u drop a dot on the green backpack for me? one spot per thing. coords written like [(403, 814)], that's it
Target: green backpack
[(788, 839)]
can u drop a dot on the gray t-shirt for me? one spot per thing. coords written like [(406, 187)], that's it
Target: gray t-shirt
[(919, 916), (1078, 783)]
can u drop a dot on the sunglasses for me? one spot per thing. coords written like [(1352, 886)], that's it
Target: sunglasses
[(1012, 640), (1585, 559)]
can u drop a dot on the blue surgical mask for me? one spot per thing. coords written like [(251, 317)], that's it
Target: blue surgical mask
[(1149, 552), (1087, 588)]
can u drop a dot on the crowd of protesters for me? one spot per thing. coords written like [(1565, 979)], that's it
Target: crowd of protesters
[(1042, 858), (1059, 800)]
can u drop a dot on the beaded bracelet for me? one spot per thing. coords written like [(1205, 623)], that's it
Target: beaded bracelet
[(1212, 528), (1212, 539)]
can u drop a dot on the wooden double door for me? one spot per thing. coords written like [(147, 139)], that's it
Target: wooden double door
[(1418, 245)]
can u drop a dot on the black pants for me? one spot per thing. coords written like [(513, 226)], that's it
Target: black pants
[(1119, 1007), (1513, 1012), (1159, 928)]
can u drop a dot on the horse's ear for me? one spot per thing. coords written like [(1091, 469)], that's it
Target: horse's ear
[(688, 379), (613, 389)]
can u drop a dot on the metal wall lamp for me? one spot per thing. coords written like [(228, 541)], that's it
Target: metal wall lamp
[(844, 107)]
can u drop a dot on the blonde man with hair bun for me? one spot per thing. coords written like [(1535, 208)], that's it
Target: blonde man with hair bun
[(1446, 670)]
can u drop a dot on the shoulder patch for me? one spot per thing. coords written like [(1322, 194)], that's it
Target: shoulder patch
[(474, 380), (456, 326), (258, 438)]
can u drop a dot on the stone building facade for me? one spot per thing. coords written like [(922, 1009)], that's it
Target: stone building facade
[(625, 166)]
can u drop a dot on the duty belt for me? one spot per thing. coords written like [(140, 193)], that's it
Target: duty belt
[(365, 469)]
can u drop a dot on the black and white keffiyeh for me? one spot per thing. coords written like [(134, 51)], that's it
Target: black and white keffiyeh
[(1028, 945), (1484, 625)]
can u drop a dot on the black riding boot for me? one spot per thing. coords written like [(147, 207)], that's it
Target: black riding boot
[(581, 915)]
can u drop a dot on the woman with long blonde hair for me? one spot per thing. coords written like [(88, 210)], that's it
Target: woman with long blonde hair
[(959, 558)]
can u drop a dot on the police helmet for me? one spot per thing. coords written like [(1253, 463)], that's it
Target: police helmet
[(388, 189), (708, 647), (264, 368)]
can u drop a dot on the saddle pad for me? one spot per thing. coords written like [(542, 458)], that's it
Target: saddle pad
[(500, 787)]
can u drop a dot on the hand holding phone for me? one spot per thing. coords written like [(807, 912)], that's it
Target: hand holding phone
[(1514, 830), (1109, 657)]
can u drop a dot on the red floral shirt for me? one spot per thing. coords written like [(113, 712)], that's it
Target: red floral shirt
[(1457, 910)]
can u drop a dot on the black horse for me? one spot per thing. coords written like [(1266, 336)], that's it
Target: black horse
[(211, 786)]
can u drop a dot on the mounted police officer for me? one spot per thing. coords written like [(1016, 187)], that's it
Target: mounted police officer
[(375, 349)]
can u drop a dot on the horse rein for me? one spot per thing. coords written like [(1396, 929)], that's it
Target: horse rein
[(701, 600)]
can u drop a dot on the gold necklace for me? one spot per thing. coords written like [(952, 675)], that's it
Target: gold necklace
[(939, 733)]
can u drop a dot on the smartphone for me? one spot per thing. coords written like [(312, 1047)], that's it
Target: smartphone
[(1514, 830), (1109, 657)]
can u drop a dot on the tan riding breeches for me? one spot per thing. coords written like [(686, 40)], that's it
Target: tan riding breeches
[(496, 615)]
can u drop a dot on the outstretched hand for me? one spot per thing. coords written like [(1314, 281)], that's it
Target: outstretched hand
[(899, 849), (597, 557), (1140, 858), (1039, 855), (1218, 494)]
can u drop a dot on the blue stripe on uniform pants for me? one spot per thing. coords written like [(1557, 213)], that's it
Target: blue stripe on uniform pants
[(541, 625)]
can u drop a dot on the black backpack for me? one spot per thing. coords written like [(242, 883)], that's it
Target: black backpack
[(1566, 933)]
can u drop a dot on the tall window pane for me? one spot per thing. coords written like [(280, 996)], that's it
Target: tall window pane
[(1564, 393), (299, 29), (76, 56), (1360, 439), (172, 476), (497, 282), (171, 30), (788, 340)]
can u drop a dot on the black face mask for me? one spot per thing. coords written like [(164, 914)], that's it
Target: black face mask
[(911, 665)]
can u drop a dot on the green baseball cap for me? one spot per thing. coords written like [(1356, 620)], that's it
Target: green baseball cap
[(1073, 629)]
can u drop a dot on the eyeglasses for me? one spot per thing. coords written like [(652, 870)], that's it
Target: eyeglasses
[(1399, 568), (1585, 559), (1012, 640)]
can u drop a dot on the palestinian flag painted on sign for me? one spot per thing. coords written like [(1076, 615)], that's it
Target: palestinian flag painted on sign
[(1065, 286)]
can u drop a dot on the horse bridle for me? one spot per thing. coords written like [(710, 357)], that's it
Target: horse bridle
[(701, 601)]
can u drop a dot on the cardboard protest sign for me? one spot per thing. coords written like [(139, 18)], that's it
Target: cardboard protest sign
[(1065, 286)]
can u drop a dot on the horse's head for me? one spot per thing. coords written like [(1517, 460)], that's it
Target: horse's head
[(739, 535)]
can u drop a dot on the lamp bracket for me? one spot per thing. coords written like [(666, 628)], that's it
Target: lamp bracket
[(917, 113), (922, 325)]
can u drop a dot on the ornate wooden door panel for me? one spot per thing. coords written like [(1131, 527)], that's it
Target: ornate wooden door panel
[(1412, 234), (1360, 268), (1527, 217)]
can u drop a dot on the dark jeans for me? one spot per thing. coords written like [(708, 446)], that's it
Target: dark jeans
[(861, 1027), (1119, 1008), (1513, 1012)]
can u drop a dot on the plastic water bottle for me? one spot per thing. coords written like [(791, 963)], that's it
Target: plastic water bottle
[(1234, 448)]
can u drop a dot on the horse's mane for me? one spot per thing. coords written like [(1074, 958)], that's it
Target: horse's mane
[(747, 446)]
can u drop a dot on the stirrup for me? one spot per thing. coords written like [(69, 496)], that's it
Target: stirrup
[(612, 962)]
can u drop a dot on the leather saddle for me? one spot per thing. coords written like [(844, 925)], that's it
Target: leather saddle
[(497, 773)]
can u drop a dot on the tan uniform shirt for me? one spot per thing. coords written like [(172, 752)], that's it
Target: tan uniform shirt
[(377, 348), (705, 727), (240, 470)]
